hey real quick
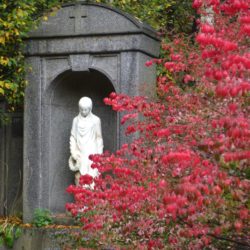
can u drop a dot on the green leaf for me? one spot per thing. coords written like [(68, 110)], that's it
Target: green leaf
[(18, 232), (9, 241), (1, 241), (9, 236)]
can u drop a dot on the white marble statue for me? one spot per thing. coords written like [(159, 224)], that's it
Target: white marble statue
[(85, 139)]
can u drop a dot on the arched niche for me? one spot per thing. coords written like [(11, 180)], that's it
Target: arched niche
[(65, 92)]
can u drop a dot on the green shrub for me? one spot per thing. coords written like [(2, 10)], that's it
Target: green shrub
[(9, 233), (42, 217)]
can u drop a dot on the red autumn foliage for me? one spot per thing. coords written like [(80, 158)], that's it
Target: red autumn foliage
[(183, 182)]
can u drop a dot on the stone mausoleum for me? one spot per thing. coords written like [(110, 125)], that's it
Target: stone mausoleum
[(86, 49)]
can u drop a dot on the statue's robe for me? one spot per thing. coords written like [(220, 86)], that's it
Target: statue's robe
[(85, 139)]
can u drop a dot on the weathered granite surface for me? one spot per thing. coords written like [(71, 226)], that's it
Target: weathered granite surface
[(84, 50)]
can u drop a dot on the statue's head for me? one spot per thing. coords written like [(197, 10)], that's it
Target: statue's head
[(85, 106)]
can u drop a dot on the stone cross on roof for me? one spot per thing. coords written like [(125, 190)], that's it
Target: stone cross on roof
[(79, 13)]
